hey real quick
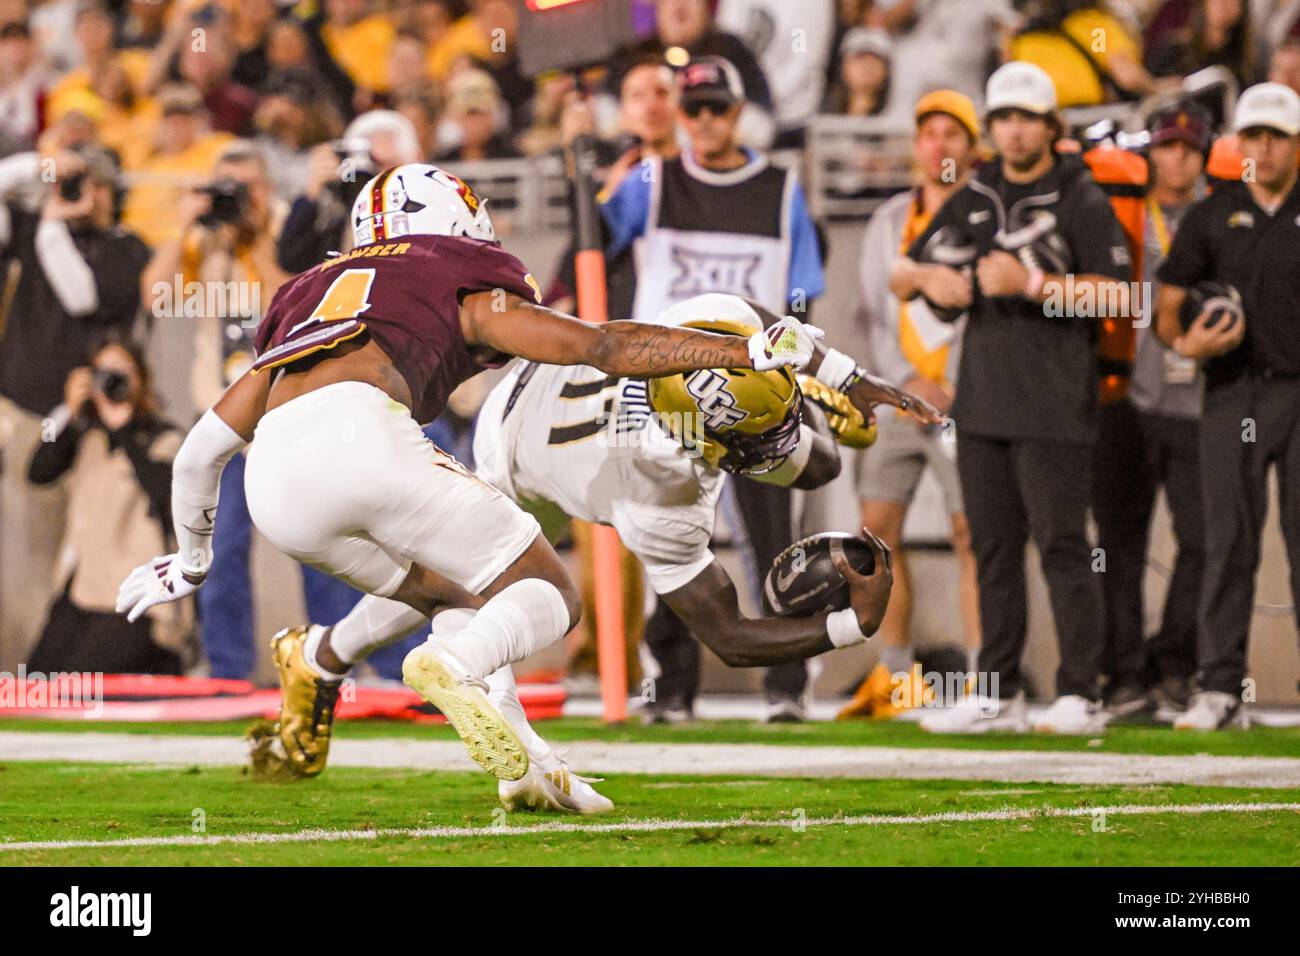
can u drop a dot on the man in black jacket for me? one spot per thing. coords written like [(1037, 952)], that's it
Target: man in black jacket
[(1245, 236), (1040, 251)]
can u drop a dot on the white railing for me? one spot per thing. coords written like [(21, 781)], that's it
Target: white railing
[(525, 196), (854, 163)]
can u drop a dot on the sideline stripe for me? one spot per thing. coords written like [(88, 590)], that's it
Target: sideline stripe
[(654, 826), (712, 759)]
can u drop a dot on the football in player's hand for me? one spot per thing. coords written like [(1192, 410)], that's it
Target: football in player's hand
[(803, 579), (1222, 302)]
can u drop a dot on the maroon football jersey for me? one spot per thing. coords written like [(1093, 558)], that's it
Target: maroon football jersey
[(405, 293)]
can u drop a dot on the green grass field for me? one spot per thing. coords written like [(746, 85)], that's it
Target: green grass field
[(48, 801)]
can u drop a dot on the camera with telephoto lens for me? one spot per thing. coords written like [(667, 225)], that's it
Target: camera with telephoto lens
[(112, 384), (229, 201), (356, 166)]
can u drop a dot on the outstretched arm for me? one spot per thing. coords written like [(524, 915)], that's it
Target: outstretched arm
[(864, 390), (518, 327), (196, 479), (709, 607)]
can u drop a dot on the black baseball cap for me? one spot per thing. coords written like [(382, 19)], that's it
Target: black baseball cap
[(710, 79)]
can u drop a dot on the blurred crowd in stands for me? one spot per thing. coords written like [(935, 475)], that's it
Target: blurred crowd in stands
[(147, 144)]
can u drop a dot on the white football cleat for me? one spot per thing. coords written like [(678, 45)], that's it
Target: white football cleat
[(489, 738), (977, 714), (1213, 710), (549, 784), (1071, 714)]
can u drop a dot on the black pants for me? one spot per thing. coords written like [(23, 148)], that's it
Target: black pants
[(75, 639), (765, 514), (1246, 426), (1014, 489), (765, 511), (670, 643), (1137, 453)]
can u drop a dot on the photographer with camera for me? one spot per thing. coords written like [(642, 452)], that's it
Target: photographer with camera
[(317, 223), (113, 454), (79, 278), (180, 150), (227, 245)]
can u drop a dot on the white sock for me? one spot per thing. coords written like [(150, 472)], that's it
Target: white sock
[(505, 698), (373, 623), (521, 620), (501, 683), (450, 621), (309, 648)]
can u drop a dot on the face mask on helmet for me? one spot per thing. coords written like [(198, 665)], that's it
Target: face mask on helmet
[(758, 454), (418, 199), (739, 420)]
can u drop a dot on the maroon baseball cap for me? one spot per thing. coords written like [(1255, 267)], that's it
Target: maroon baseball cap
[(1187, 124)]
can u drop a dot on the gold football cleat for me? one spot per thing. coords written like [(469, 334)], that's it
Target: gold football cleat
[(298, 744)]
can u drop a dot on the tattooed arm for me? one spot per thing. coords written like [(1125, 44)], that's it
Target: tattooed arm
[(519, 327), (864, 390)]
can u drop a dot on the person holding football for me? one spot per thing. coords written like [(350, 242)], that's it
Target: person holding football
[(648, 458), (352, 355)]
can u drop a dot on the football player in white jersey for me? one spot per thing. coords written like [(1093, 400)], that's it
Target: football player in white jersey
[(648, 457), (352, 356)]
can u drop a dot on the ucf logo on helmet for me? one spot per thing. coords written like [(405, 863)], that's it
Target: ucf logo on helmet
[(716, 403)]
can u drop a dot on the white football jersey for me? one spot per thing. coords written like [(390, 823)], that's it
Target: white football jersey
[(591, 444)]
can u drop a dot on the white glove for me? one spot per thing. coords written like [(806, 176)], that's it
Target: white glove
[(787, 342), (158, 582)]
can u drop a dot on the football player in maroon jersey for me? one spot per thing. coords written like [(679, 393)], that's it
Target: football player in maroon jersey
[(353, 354)]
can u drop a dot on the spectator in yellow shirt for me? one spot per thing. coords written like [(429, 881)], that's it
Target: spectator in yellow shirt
[(184, 149), (1089, 54), (449, 38), (125, 119), (94, 35), (359, 41)]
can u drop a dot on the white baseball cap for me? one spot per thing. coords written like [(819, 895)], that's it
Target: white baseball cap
[(1021, 86), (1273, 105)]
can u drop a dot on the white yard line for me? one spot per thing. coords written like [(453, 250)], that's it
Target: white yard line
[(753, 760), (754, 707), (652, 826)]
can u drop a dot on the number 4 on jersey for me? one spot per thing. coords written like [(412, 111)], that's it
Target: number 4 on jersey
[(346, 298)]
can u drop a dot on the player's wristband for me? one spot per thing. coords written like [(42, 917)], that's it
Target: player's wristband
[(842, 628), (839, 371)]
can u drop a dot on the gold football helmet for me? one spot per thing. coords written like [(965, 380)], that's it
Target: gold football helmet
[(740, 420)]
